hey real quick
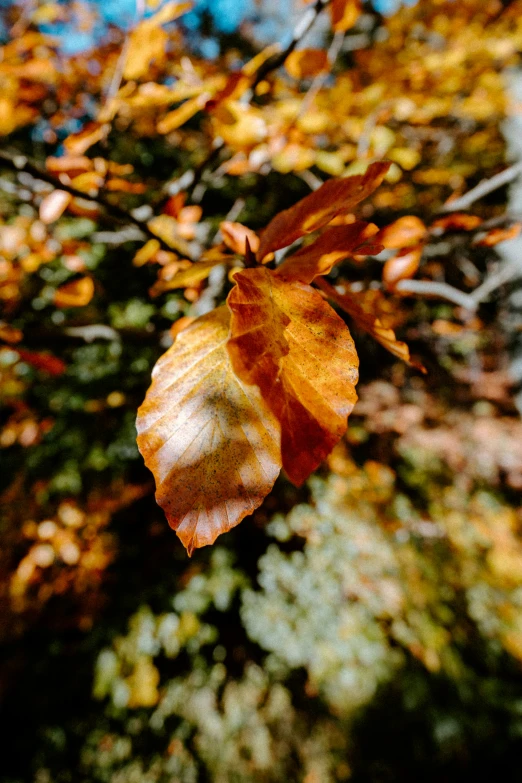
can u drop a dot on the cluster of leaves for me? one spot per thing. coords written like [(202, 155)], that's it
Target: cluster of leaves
[(129, 176)]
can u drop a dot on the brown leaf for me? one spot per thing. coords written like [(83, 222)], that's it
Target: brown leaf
[(402, 266), (288, 341), (334, 245), (459, 221), (44, 362), (208, 438), (407, 230), (344, 14), (334, 197), (54, 205), (90, 134), (235, 236), (497, 235), (306, 63), (77, 293), (371, 324)]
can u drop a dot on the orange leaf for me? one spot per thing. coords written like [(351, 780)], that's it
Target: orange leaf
[(305, 63), (405, 231), (497, 235), (54, 205), (80, 142), (402, 266), (77, 293), (208, 438), (288, 341), (185, 278), (334, 197), (334, 245), (459, 221), (344, 14), (371, 324), (235, 236)]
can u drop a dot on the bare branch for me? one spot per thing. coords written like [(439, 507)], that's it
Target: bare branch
[(438, 291), (20, 162), (484, 188)]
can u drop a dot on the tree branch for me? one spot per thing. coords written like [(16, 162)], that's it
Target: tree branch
[(19, 162), (484, 188)]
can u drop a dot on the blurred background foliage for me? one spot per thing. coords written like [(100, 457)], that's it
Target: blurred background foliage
[(365, 627)]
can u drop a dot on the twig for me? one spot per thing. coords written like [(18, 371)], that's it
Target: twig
[(22, 163), (439, 291), (484, 188), (504, 273), (332, 55), (303, 26)]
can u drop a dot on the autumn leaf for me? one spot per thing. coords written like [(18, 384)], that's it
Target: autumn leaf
[(344, 14), (402, 266), (334, 197), (207, 436), (497, 235), (148, 40), (288, 341), (185, 277), (54, 205), (407, 230), (334, 245), (370, 323), (44, 362), (77, 293), (235, 236), (306, 63)]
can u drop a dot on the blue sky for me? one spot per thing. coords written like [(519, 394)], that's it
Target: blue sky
[(226, 15)]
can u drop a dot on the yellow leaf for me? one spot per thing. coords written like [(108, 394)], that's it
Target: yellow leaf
[(208, 437)]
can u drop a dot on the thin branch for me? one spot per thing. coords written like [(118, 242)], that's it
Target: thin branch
[(439, 291), (303, 26), (484, 188), (20, 162), (332, 55)]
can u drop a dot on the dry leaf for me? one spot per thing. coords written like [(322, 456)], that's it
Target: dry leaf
[(344, 14), (208, 438), (497, 235), (91, 134), (235, 236), (77, 293), (402, 266), (148, 40), (334, 197), (185, 278), (459, 221), (54, 205), (44, 362), (288, 341), (370, 324), (306, 63), (407, 230), (334, 245)]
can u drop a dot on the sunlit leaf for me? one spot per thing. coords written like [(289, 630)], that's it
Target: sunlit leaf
[(370, 323), (344, 14), (148, 40), (497, 235), (235, 236), (91, 134), (288, 341), (306, 63), (208, 437), (77, 293), (407, 230), (334, 245), (334, 197), (54, 205), (402, 266), (185, 278)]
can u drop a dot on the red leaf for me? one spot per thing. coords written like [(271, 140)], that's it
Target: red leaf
[(334, 197), (288, 341), (334, 245)]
